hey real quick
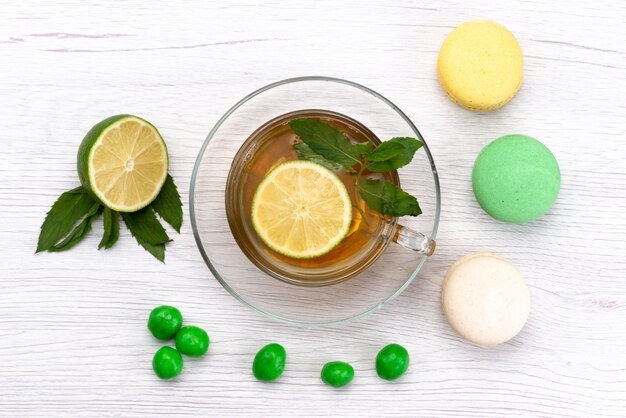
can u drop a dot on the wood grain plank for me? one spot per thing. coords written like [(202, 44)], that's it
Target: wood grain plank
[(73, 340)]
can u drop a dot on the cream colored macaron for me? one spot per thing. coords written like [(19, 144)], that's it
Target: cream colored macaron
[(480, 65), (485, 299)]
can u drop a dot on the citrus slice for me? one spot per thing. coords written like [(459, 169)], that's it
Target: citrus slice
[(301, 210), (123, 162)]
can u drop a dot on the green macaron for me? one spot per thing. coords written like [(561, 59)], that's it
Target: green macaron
[(516, 179)]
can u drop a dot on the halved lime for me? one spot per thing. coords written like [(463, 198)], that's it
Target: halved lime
[(301, 210), (123, 162)]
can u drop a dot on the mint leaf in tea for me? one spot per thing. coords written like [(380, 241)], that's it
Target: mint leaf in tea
[(388, 199), (306, 153), (398, 152), (326, 141)]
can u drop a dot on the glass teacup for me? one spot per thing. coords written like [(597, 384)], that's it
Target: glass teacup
[(369, 234)]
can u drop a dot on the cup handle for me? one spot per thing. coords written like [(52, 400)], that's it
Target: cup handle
[(414, 240)]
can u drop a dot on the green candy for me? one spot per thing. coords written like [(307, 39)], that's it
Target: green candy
[(269, 362), (167, 363), (192, 341), (392, 361), (164, 322), (516, 179), (337, 374)]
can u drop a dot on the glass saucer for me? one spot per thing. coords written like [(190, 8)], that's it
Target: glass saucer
[(370, 290)]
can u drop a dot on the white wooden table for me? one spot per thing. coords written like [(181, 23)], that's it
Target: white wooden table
[(73, 338)]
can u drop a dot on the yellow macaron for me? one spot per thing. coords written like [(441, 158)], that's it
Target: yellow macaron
[(480, 65)]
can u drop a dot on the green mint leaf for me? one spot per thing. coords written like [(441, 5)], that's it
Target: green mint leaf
[(388, 199), (145, 225), (107, 227), (306, 153), (386, 151), (79, 232), (68, 209), (111, 229), (158, 250), (363, 148), (168, 204), (115, 230), (397, 160), (326, 141)]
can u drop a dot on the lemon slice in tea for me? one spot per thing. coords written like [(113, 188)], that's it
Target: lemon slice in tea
[(123, 162), (301, 210)]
